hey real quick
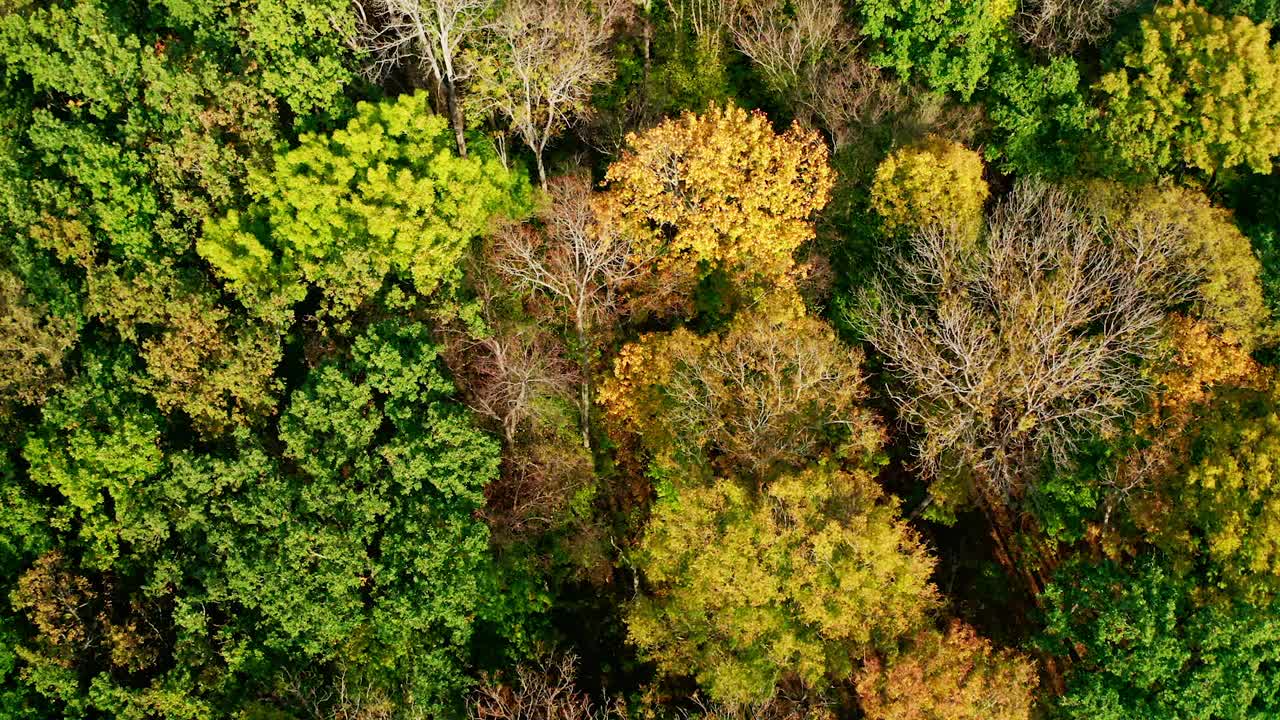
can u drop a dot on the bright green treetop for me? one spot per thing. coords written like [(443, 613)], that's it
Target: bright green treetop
[(949, 44), (386, 194)]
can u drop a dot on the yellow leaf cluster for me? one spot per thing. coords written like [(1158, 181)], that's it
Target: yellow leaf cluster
[(722, 190), (1202, 361), (938, 182)]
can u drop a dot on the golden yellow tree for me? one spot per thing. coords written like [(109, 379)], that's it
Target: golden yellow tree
[(722, 190), (937, 182)]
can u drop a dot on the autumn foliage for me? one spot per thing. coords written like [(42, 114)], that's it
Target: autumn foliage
[(722, 190)]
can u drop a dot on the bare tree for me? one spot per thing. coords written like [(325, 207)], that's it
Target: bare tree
[(517, 376), (543, 690), (853, 96), (431, 34), (579, 258), (709, 20), (794, 49), (1062, 26), (1014, 351), (542, 61)]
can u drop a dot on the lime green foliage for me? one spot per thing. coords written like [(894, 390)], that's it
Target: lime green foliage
[(1040, 116), (1193, 90), (385, 194), (1148, 649), (799, 582), (937, 182), (947, 44)]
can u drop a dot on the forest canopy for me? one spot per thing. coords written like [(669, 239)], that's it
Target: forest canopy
[(591, 359)]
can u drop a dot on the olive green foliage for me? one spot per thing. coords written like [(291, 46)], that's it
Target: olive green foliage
[(1193, 90), (1150, 648), (1224, 505), (1229, 285), (385, 194), (935, 183), (799, 581), (947, 44)]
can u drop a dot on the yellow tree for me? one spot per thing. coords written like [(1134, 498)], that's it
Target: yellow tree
[(722, 190), (937, 182)]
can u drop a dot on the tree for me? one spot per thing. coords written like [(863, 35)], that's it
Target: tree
[(1228, 275), (956, 675), (774, 388), (1016, 350), (1218, 502), (1041, 117), (580, 257), (799, 581), (541, 64), (935, 183), (948, 45), (1193, 90), (1061, 27), (794, 45), (434, 34), (98, 448), (1149, 647), (386, 194), (519, 376), (721, 190), (33, 344), (543, 690)]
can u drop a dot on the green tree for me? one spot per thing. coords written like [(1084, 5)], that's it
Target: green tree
[(1193, 90), (1039, 115), (1149, 647), (798, 581), (386, 194), (948, 44)]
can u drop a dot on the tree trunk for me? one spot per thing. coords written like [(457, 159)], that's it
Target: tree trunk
[(542, 171), (455, 115), (584, 363)]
